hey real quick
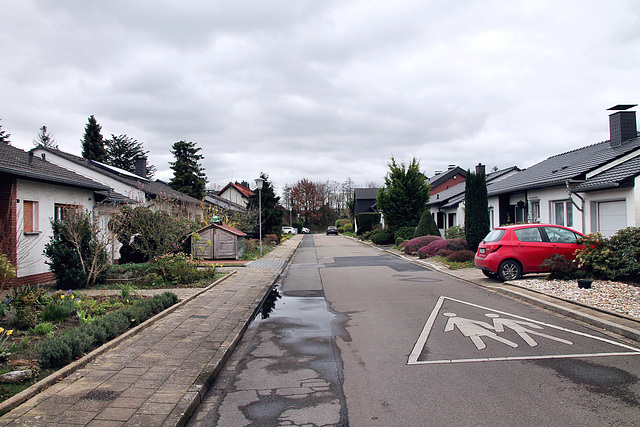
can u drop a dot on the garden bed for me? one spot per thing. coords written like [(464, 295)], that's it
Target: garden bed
[(42, 330)]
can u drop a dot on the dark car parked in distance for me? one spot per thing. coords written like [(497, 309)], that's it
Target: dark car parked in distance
[(332, 230), (509, 252)]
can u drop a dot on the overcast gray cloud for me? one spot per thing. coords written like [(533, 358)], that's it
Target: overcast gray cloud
[(321, 90)]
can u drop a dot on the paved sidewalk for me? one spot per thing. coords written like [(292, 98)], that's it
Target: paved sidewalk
[(159, 373)]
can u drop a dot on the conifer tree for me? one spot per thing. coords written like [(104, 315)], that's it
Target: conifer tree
[(188, 174), (92, 142), (427, 225), (122, 151), (4, 136), (476, 211), (45, 139), (271, 213), (405, 195)]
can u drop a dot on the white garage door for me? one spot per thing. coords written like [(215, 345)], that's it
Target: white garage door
[(612, 216)]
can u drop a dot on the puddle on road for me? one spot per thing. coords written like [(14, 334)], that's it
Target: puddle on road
[(285, 371)]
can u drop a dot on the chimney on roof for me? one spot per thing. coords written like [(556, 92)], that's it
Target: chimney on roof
[(622, 124), (480, 168), (450, 167), (141, 166), (30, 157)]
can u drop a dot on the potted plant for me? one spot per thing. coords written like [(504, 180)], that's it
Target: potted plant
[(584, 279)]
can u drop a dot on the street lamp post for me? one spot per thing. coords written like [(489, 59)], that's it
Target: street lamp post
[(259, 183)]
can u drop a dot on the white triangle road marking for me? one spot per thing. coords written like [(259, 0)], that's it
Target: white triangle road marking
[(424, 335)]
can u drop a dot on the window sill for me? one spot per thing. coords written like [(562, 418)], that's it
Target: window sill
[(31, 233)]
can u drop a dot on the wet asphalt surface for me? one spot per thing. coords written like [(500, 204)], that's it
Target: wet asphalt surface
[(285, 371), (355, 337)]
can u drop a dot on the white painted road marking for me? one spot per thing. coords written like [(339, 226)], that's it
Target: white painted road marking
[(523, 327)]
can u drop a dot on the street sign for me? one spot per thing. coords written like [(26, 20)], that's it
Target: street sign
[(459, 331)]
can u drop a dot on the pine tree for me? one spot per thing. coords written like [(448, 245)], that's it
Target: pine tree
[(45, 139), (405, 195), (476, 211), (271, 212), (4, 136), (122, 151), (188, 174), (92, 142)]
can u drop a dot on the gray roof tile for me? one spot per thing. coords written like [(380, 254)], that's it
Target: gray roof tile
[(18, 162)]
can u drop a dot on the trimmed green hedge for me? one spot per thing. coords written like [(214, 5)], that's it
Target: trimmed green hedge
[(366, 221)]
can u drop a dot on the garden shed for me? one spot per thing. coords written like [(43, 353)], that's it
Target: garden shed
[(218, 241)]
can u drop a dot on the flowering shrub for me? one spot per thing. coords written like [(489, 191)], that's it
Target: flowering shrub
[(412, 246), (464, 255), (614, 258), (436, 246)]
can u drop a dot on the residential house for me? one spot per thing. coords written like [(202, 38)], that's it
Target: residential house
[(125, 187), (447, 206), (442, 181), (33, 191), (591, 189), (237, 193), (364, 200)]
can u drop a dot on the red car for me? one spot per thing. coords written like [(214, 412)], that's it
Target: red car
[(509, 252)]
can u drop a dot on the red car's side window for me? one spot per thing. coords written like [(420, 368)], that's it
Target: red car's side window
[(529, 234)]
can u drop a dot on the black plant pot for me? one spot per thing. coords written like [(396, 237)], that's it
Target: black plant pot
[(584, 283)]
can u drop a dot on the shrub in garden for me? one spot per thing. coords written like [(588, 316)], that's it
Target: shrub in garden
[(78, 342), (54, 352), (559, 267), (464, 255), (77, 255), (614, 258), (342, 222), (270, 239), (56, 312), (427, 225), (7, 270), (411, 247), (400, 242), (436, 246), (455, 232), (406, 233), (381, 237), (179, 268), (445, 253), (367, 221)]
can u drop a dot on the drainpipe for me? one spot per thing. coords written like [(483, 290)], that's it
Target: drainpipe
[(582, 201)]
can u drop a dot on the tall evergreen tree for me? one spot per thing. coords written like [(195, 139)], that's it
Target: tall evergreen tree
[(271, 212), (45, 139), (476, 210), (405, 195), (4, 136), (188, 174), (122, 151), (92, 142)]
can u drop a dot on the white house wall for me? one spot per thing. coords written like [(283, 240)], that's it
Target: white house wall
[(234, 196), (30, 247)]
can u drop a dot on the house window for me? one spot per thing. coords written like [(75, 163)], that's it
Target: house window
[(535, 211), (30, 224), (451, 220), (62, 212), (562, 213)]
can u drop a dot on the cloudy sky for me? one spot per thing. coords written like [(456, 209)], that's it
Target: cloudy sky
[(324, 90)]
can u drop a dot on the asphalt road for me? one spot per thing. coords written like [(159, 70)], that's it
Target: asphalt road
[(359, 337)]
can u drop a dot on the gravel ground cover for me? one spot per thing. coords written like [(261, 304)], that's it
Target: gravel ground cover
[(616, 297)]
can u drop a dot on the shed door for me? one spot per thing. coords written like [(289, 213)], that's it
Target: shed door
[(225, 245), (612, 216)]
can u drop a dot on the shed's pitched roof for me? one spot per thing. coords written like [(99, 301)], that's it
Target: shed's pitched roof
[(20, 163), (224, 227), (556, 170)]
